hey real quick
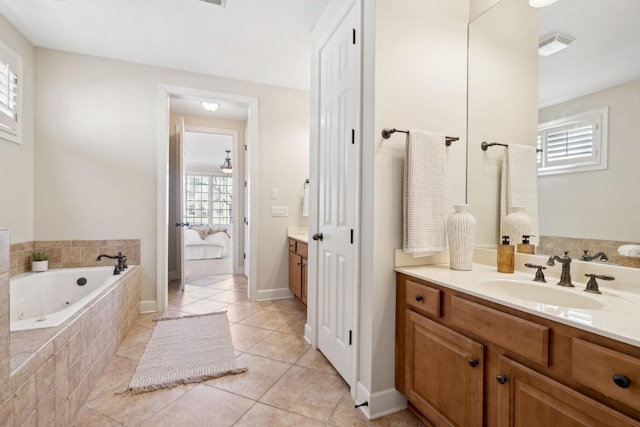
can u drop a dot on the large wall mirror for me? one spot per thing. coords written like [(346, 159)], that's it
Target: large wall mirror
[(512, 89)]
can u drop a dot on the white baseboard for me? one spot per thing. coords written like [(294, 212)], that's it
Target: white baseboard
[(381, 403), (308, 334), (173, 275), (268, 294), (148, 306)]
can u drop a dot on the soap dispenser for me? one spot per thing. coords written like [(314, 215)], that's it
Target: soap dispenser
[(525, 247), (505, 256)]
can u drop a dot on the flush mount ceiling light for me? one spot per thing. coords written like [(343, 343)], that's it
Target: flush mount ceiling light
[(226, 166), (222, 3), (209, 106), (541, 3), (553, 44)]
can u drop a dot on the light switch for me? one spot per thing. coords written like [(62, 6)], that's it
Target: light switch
[(274, 193), (279, 211)]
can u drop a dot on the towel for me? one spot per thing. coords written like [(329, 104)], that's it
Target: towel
[(305, 202), (519, 185), (632, 251), (424, 186)]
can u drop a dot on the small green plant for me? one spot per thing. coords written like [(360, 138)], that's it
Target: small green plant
[(39, 256)]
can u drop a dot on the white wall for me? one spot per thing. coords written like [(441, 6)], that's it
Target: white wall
[(16, 160), (600, 204), (414, 78), (97, 130)]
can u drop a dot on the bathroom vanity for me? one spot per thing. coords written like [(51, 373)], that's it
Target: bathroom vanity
[(470, 355), (298, 256)]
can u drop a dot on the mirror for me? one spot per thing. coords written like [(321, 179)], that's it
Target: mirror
[(512, 89)]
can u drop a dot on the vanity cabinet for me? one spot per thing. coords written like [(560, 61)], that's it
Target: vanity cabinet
[(465, 361), (298, 269)]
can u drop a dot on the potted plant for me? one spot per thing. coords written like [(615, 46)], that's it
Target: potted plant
[(39, 261)]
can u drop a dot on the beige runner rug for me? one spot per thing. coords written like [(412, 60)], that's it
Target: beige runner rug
[(185, 350)]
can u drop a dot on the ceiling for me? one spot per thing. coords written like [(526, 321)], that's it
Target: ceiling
[(202, 149), (606, 52), (193, 107), (262, 41)]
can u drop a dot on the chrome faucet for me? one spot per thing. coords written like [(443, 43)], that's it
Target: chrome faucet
[(565, 276), (601, 255)]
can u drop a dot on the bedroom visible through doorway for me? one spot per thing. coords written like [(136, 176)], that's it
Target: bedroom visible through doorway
[(208, 205)]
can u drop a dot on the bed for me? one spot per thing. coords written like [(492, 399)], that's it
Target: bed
[(215, 244)]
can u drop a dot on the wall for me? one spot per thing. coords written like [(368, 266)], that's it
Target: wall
[(97, 130), (585, 204), (16, 160), (209, 122), (414, 77)]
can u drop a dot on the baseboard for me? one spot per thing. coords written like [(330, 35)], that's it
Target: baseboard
[(268, 294), (380, 403), (173, 275), (308, 334), (148, 306)]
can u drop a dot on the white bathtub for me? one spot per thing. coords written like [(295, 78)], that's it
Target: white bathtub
[(45, 300)]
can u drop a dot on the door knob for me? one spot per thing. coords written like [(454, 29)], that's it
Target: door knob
[(317, 236), (182, 224)]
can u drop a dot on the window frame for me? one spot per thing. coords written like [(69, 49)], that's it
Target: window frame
[(600, 143), (13, 132), (210, 197)]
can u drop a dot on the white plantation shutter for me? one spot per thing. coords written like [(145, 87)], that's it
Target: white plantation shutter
[(573, 144), (10, 98)]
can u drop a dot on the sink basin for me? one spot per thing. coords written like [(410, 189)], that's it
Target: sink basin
[(547, 293)]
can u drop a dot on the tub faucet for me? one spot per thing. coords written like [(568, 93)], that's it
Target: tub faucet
[(565, 276), (601, 255), (122, 261)]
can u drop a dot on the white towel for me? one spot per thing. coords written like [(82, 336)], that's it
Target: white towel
[(305, 202), (630, 250), (424, 194), (519, 185)]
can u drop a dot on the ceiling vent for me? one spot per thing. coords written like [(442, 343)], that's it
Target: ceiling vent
[(222, 3), (553, 44)]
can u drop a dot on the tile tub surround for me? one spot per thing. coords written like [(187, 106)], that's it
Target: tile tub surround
[(72, 253), (4, 308), (53, 370), (554, 245)]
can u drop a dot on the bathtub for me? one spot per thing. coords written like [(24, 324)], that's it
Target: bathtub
[(47, 299)]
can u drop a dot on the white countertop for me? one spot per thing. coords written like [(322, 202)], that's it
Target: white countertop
[(619, 319), (299, 233)]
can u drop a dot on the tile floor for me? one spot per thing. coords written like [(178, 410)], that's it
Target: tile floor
[(287, 383)]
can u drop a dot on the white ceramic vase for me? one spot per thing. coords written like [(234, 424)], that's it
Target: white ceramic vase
[(39, 266), (461, 229), (516, 224)]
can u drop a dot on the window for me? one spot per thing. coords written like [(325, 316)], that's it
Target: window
[(208, 199), (573, 144), (10, 94)]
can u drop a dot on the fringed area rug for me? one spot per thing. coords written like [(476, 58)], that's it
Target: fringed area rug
[(185, 350)]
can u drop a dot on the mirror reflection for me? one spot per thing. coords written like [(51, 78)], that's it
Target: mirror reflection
[(592, 210)]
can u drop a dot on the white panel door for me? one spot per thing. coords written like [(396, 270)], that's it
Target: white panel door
[(337, 196), (246, 202), (181, 195)]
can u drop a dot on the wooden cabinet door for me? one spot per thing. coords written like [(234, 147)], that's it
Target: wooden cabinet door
[(530, 399), (295, 279), (303, 285), (444, 373)]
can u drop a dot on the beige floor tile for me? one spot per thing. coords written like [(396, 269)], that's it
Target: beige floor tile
[(198, 292), (346, 415), (203, 306), (226, 285), (262, 373), (280, 346), (177, 301), (228, 297), (295, 325), (245, 337), (288, 306), (135, 342), (314, 359), (115, 378), (237, 312), (307, 392), (147, 320), (264, 415), (254, 304), (88, 418), (202, 406), (267, 319)]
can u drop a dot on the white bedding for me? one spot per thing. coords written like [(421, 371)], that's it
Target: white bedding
[(213, 246)]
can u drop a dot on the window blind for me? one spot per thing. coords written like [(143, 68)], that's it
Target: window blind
[(9, 90)]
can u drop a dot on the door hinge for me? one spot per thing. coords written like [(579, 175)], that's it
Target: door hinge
[(353, 136), (245, 184), (350, 336), (352, 236), (354, 36), (244, 256), (245, 147)]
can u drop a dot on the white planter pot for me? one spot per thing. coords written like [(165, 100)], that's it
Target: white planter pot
[(39, 266)]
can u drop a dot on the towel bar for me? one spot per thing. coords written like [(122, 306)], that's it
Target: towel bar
[(486, 145), (386, 134)]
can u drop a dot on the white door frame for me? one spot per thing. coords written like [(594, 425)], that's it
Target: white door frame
[(238, 245), (162, 221), (311, 327)]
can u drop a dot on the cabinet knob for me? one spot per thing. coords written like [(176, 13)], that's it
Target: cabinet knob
[(622, 381), (473, 362), (419, 298), (501, 378)]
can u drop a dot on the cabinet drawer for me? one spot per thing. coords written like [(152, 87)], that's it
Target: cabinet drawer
[(595, 366), (292, 245), (522, 337), (302, 249), (423, 298)]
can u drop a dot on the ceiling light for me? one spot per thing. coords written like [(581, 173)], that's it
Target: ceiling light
[(222, 3), (553, 44), (209, 106), (226, 166), (541, 3)]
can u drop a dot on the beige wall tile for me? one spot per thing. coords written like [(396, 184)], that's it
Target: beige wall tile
[(45, 378), (46, 411), (4, 251), (7, 413), (25, 400)]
